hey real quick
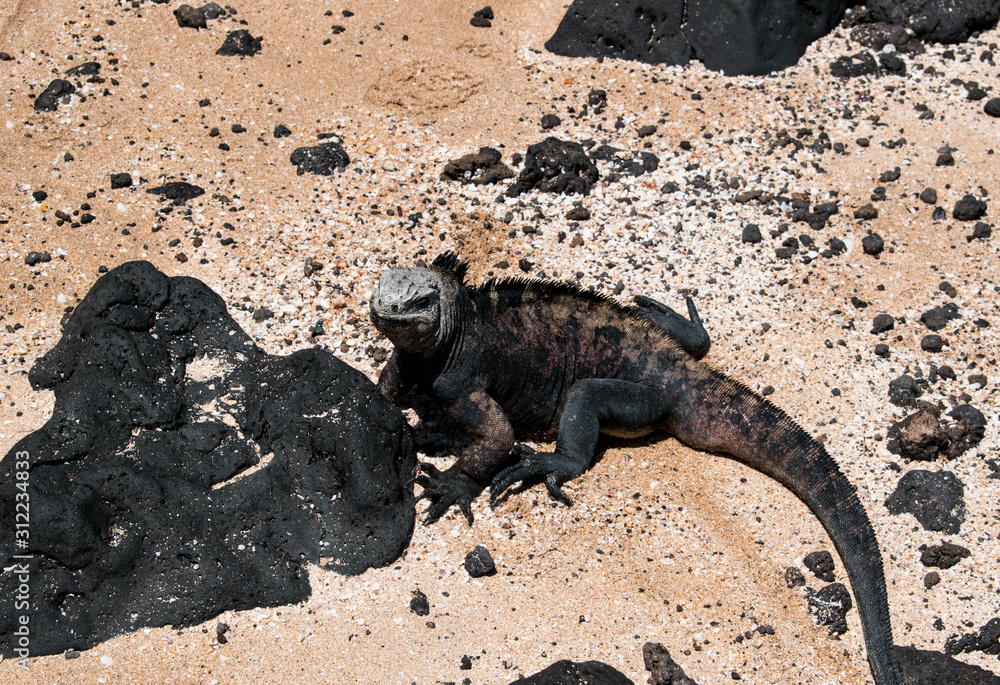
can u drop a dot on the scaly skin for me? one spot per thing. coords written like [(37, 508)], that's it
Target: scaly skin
[(529, 357)]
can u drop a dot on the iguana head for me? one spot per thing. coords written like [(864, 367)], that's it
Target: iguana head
[(417, 308)]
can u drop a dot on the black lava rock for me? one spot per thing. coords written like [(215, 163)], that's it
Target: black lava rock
[(932, 343), (980, 232), (479, 563), (177, 191), (852, 66), (282, 131), (39, 196), (829, 607), (941, 21), (751, 234), (625, 161), (890, 176), (882, 350), (928, 196), (821, 564), (481, 168), (992, 107), (57, 91), (939, 214), (189, 17), (145, 508), (872, 244), (419, 604), (33, 258), (794, 577), (567, 672), (122, 180), (550, 121), (482, 18), (904, 391), (892, 63), (240, 43), (747, 37), (882, 323), (944, 555), (968, 429), (919, 436), (322, 159), (556, 166), (969, 208), (866, 213), (629, 29), (936, 500), (663, 670), (85, 69), (933, 668), (937, 318)]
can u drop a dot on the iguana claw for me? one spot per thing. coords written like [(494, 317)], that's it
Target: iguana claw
[(445, 488), (554, 466)]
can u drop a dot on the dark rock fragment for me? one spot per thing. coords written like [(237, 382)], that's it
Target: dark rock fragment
[(625, 161), (852, 66), (281, 131), (152, 505), (479, 563), (240, 43), (556, 166), (932, 343), (928, 196), (630, 29), (939, 214), (944, 555), (882, 350), (177, 191), (39, 196), (189, 17), (262, 314), (550, 121), (866, 213), (931, 579), (322, 159), (57, 91), (940, 21), (33, 258), (892, 63), (872, 244), (122, 180), (481, 168), (889, 176), (882, 323), (751, 234), (877, 35), (969, 208), (220, 633), (663, 670), (646, 131), (419, 604), (567, 672), (992, 107), (936, 500), (482, 18), (937, 318), (829, 607), (579, 213), (980, 232), (918, 436), (904, 391), (794, 577), (85, 69), (967, 431), (821, 564)]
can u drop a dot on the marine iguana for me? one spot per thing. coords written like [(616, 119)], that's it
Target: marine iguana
[(542, 358)]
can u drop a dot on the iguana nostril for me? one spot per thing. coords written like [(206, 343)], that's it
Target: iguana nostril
[(394, 308)]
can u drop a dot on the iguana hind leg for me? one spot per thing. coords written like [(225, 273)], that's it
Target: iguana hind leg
[(690, 335), (595, 404)]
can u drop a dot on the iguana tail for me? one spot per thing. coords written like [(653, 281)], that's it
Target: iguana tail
[(718, 414)]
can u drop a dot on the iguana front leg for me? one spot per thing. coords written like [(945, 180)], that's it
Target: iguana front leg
[(493, 435), (391, 381)]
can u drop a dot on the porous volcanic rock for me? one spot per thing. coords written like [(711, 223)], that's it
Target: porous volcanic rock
[(566, 672), (57, 91), (185, 472), (936, 500), (322, 159), (941, 21), (630, 29), (480, 168), (663, 670), (178, 192), (556, 166), (240, 43), (829, 607)]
